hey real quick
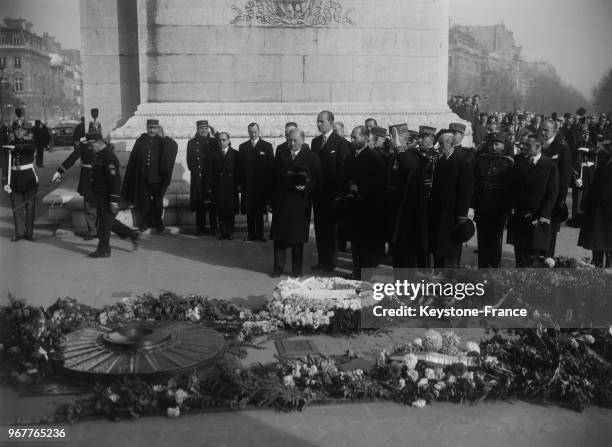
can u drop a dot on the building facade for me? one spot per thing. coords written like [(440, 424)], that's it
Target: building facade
[(37, 75)]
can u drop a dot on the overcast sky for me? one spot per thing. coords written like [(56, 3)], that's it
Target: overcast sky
[(574, 35)]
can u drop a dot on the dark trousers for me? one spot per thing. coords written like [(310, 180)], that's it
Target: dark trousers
[(227, 222), (576, 199), (443, 262), (490, 231), (90, 213), (108, 223), (602, 259), (404, 259), (40, 152), (280, 257), (23, 218), (255, 225), (153, 206), (201, 218), (550, 253), (366, 254), (325, 235)]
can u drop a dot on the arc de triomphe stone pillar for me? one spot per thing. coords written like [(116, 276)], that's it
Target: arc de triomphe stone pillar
[(271, 61)]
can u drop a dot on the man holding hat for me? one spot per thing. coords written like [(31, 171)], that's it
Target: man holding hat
[(451, 194), (202, 150), (19, 180), (105, 182), (492, 200), (144, 177)]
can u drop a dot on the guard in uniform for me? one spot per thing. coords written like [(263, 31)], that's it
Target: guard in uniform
[(202, 150), (492, 200), (84, 152), (20, 181), (95, 126), (143, 185), (106, 193), (458, 131), (19, 121)]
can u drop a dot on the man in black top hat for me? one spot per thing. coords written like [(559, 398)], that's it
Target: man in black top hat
[(491, 201), (20, 181), (144, 178), (449, 203), (255, 164), (106, 193), (202, 150)]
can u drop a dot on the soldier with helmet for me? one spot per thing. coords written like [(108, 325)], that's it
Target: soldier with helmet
[(491, 200)]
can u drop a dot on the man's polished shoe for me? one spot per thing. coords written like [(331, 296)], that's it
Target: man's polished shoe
[(135, 239), (16, 238), (275, 275), (316, 267), (90, 237), (29, 237), (99, 254), (261, 239)]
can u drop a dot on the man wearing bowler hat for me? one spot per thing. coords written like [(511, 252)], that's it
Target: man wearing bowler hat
[(144, 178), (491, 202)]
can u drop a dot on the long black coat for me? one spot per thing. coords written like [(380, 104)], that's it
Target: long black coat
[(255, 165), (559, 152), (535, 190), (168, 159), (144, 166), (201, 155), (85, 153), (410, 224), (451, 194), (290, 207), (596, 230), (225, 185), (365, 215), (332, 157)]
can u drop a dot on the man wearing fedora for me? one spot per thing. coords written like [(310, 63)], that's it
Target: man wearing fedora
[(449, 203), (202, 150), (106, 194), (20, 181), (144, 178), (535, 190), (491, 201)]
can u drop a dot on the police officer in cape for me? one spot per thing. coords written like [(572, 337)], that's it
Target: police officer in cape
[(492, 200), (105, 182), (147, 175), (83, 152), (19, 180), (202, 150)]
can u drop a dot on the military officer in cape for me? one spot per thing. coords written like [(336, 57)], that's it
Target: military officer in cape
[(20, 181)]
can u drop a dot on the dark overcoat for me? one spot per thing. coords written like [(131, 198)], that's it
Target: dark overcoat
[(225, 186), (596, 229), (144, 166), (451, 194), (201, 155), (85, 153), (366, 218), (559, 152), (291, 207), (255, 165), (332, 157)]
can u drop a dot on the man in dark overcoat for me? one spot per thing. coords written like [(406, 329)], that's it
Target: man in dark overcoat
[(596, 229), (365, 180), (332, 150), (557, 150), (448, 205), (535, 188), (202, 150), (225, 186), (255, 164), (296, 175)]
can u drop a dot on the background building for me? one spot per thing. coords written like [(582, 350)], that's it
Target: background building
[(37, 75)]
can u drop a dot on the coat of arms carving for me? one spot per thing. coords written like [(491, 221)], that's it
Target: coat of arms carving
[(292, 13)]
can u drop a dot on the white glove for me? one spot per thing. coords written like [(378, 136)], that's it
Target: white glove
[(579, 183), (56, 177), (8, 189)]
